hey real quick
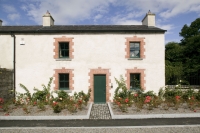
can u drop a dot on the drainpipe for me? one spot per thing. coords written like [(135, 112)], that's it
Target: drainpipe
[(14, 61)]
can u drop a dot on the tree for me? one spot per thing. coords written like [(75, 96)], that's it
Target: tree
[(182, 60), (187, 32), (191, 48), (173, 63), (173, 52)]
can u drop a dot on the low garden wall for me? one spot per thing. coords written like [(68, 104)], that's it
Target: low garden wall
[(183, 86)]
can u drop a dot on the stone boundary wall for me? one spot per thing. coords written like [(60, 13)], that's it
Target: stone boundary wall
[(6, 84), (183, 86)]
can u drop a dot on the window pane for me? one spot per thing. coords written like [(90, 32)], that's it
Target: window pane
[(137, 53), (132, 46), (67, 53), (64, 49), (67, 77), (134, 81), (63, 81), (134, 49), (66, 84), (62, 45), (66, 45), (137, 46), (62, 85), (62, 77)]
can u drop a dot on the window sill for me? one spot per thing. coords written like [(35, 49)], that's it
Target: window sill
[(135, 58), (63, 59), (135, 90), (68, 91)]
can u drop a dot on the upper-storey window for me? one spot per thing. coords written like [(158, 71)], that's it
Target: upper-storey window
[(134, 50), (64, 49)]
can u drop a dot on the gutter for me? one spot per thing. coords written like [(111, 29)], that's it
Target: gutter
[(14, 62), (40, 31)]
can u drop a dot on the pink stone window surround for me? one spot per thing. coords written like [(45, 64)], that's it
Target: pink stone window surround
[(136, 71), (140, 40), (63, 39), (63, 71), (108, 82)]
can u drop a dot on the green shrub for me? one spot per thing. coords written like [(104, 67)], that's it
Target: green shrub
[(56, 107), (188, 94), (43, 95), (122, 96)]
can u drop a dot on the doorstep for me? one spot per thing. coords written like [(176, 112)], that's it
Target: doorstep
[(71, 117), (144, 116)]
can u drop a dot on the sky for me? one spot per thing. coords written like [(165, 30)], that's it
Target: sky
[(171, 15)]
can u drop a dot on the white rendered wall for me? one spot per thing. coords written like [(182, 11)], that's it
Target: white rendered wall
[(35, 63), (6, 51)]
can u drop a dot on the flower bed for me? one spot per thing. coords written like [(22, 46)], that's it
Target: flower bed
[(183, 109), (43, 102), (167, 101), (35, 111)]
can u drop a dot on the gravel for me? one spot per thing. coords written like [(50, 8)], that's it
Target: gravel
[(159, 110), (34, 111)]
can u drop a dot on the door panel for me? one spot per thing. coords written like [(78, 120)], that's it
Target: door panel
[(99, 88)]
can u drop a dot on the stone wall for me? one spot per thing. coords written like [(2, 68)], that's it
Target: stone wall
[(6, 84)]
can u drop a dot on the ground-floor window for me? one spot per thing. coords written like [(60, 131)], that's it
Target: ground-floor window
[(135, 78), (63, 81), (135, 81)]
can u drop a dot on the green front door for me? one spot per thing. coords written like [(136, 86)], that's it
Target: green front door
[(99, 88)]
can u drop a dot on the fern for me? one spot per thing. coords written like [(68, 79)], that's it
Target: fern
[(35, 89), (45, 93), (27, 91), (121, 90)]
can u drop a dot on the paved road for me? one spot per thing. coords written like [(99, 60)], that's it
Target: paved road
[(100, 123)]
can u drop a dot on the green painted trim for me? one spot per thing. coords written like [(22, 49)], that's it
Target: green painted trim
[(64, 59), (63, 88), (100, 88), (135, 58)]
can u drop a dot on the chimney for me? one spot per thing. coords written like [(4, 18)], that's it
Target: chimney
[(48, 19), (1, 22), (149, 19)]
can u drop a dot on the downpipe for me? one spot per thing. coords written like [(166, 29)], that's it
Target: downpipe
[(14, 62)]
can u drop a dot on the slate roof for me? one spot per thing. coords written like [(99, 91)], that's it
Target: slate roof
[(79, 29)]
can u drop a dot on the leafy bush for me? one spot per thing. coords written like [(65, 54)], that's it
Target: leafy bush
[(122, 96), (166, 99), (188, 94), (43, 95), (56, 107)]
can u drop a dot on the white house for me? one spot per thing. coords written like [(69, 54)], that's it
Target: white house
[(79, 57)]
